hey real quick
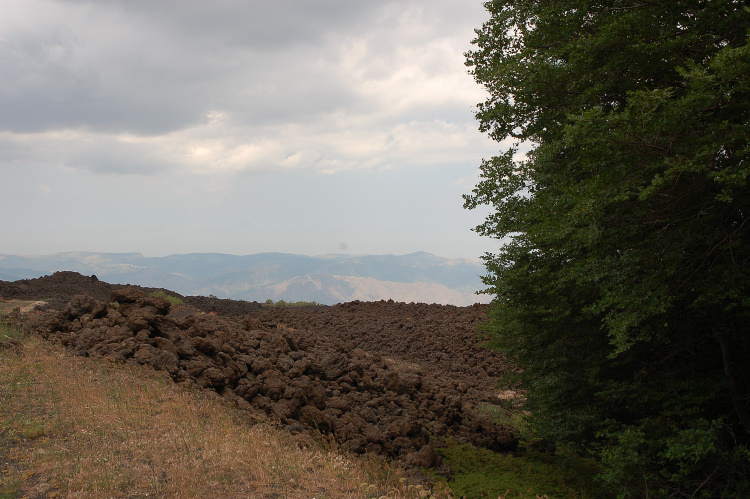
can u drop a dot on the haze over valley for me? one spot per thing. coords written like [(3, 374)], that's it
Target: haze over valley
[(327, 279)]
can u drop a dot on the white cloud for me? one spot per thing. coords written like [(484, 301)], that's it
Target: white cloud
[(136, 87)]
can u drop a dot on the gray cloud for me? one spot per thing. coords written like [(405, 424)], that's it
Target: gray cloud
[(219, 87), (154, 67)]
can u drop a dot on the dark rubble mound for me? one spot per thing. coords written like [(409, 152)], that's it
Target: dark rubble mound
[(223, 306), (365, 402), (443, 339), (60, 287)]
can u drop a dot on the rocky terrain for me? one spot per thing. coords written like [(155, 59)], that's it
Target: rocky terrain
[(380, 377)]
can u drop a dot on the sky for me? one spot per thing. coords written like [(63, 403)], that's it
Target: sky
[(241, 127)]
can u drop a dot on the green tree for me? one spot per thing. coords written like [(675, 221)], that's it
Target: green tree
[(622, 284)]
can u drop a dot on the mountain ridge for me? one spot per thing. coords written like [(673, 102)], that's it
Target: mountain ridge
[(328, 279)]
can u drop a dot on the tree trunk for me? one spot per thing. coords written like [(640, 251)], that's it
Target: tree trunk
[(737, 401)]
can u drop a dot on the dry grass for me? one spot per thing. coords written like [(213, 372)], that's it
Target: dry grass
[(80, 427)]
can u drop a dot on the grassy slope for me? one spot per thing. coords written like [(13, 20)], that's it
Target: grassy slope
[(80, 427)]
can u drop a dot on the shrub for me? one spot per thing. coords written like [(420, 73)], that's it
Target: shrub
[(171, 299)]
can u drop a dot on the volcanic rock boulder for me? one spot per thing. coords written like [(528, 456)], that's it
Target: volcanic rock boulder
[(367, 402)]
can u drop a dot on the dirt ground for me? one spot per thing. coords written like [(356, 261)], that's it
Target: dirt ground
[(380, 377)]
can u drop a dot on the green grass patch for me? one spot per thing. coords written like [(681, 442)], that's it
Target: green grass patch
[(481, 473), (9, 331), (10, 490), (33, 431), (171, 299), (502, 415)]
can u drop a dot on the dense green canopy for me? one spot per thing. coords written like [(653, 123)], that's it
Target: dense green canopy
[(623, 283)]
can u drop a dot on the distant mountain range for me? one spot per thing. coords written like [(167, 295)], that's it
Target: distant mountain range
[(328, 279)]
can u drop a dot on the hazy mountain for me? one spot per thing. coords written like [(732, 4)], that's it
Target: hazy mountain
[(329, 279)]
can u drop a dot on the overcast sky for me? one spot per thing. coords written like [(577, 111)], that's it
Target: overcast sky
[(311, 127)]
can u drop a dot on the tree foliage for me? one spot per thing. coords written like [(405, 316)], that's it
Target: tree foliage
[(622, 286)]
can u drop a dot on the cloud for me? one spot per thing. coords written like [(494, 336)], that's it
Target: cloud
[(121, 87)]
